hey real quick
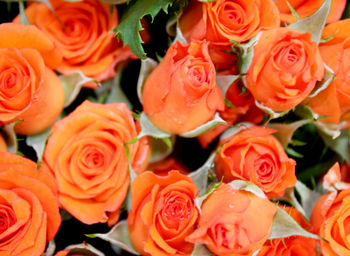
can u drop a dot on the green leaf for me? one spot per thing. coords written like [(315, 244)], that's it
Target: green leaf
[(200, 176), (329, 38), (293, 11), (340, 145), (179, 36), (284, 226), (247, 186), (83, 249), (289, 196), (246, 54), (322, 85), (119, 236), (72, 84), (11, 137), (111, 91), (308, 197), (285, 131), (235, 129), (204, 127), (272, 114), (130, 25), (225, 82), (200, 250), (293, 153), (147, 66), (149, 129), (229, 104), (22, 13), (38, 143), (50, 249), (160, 149), (314, 23)]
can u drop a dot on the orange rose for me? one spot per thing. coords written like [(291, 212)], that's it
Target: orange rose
[(293, 245), (86, 154), (29, 89), (29, 214), (334, 101), (181, 93), (285, 68), (243, 110), (163, 214), (256, 156), (331, 218), (81, 30), (224, 20), (229, 223), (305, 8)]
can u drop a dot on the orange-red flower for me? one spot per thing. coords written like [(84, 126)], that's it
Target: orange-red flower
[(81, 31), (334, 102), (163, 213), (181, 93), (256, 156), (293, 245), (29, 214), (285, 68), (29, 89), (305, 8), (331, 219), (229, 223), (86, 154), (224, 20)]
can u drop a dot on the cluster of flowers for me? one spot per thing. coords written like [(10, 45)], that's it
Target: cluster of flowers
[(234, 64)]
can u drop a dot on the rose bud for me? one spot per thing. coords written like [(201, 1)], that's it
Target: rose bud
[(255, 155), (181, 93), (163, 213), (305, 8), (224, 20), (229, 223), (334, 101), (285, 68), (330, 219)]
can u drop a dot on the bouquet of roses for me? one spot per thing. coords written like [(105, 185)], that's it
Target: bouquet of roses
[(169, 128)]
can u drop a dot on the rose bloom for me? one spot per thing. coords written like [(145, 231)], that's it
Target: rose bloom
[(86, 154), (255, 155), (181, 93), (81, 30), (243, 110), (163, 214), (229, 223), (224, 20), (334, 101), (330, 219), (285, 68), (305, 8), (29, 214), (293, 245), (29, 89)]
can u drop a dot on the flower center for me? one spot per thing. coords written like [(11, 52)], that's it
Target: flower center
[(7, 218), (265, 168)]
